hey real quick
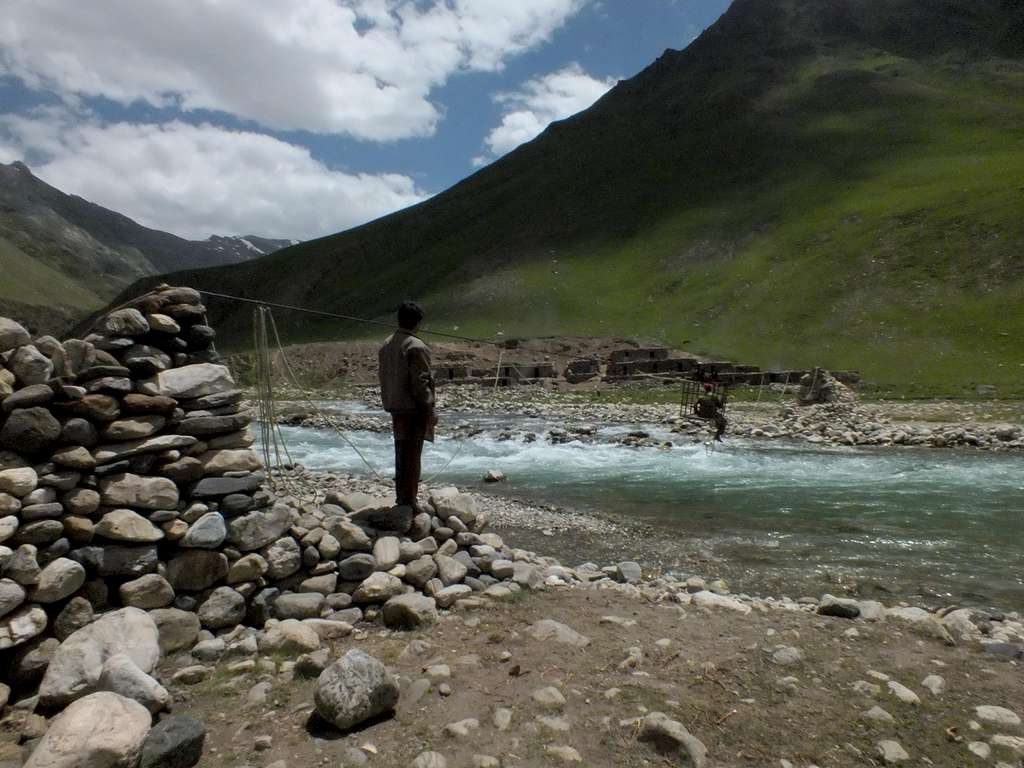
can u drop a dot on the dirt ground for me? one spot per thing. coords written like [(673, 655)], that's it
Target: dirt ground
[(711, 670)]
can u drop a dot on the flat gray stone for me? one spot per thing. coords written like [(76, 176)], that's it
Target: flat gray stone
[(216, 487)]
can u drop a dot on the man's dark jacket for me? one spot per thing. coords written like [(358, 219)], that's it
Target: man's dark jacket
[(406, 379)]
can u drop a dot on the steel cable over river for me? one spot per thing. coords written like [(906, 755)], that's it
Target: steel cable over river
[(920, 524)]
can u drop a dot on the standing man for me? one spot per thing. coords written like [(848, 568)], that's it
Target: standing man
[(407, 392)]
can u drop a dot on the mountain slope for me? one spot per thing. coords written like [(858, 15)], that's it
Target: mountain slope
[(63, 256), (811, 181)]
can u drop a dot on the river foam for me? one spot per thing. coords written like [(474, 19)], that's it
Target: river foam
[(941, 524)]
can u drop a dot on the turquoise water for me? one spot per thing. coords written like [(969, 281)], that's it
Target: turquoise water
[(942, 525)]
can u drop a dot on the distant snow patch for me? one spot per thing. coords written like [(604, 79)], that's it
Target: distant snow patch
[(250, 246)]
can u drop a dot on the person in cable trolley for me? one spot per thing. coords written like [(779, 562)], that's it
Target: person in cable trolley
[(710, 406)]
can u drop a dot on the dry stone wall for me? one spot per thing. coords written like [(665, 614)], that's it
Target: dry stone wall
[(120, 456)]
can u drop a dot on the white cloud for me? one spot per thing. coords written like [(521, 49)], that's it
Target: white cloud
[(365, 68), (196, 181), (8, 153), (540, 102)]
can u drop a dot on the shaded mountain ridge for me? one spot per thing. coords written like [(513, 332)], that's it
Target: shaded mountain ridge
[(808, 182), (64, 255)]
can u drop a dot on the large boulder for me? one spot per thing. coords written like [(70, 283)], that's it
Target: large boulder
[(379, 587), (449, 502), (133, 427), (30, 430), (8, 524), (922, 622), (351, 537), (58, 580), (259, 528), (98, 408), (387, 552), (208, 532), (283, 558), (120, 675), (36, 394), (217, 487), (128, 526), (146, 592), (670, 738), (247, 568), (18, 481), (223, 608), (548, 630), (419, 571), (79, 355), (449, 570), (108, 453), (178, 629), (117, 560), (354, 689), (30, 365), (174, 742), (840, 607), (139, 492), (388, 518), (357, 567), (410, 611), (145, 360), (76, 667), (102, 730), (21, 626), (238, 460), (197, 569), (193, 381), (73, 616), (207, 426), (12, 594), (305, 605), (125, 322), (78, 431), (289, 636), (12, 335)]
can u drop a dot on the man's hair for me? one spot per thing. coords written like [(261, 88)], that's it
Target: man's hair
[(409, 315)]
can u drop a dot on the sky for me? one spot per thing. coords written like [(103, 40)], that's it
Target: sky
[(303, 118)]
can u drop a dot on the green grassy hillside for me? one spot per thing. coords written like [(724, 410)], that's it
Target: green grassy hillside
[(811, 182), (40, 295), (62, 256)]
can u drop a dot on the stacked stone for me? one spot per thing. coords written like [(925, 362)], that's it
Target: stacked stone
[(134, 520), (105, 442)]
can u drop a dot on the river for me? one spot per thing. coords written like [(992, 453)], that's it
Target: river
[(943, 526)]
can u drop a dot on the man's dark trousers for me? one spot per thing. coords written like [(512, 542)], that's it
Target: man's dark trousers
[(410, 430)]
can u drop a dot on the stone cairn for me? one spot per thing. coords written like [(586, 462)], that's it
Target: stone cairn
[(820, 386), (135, 523)]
